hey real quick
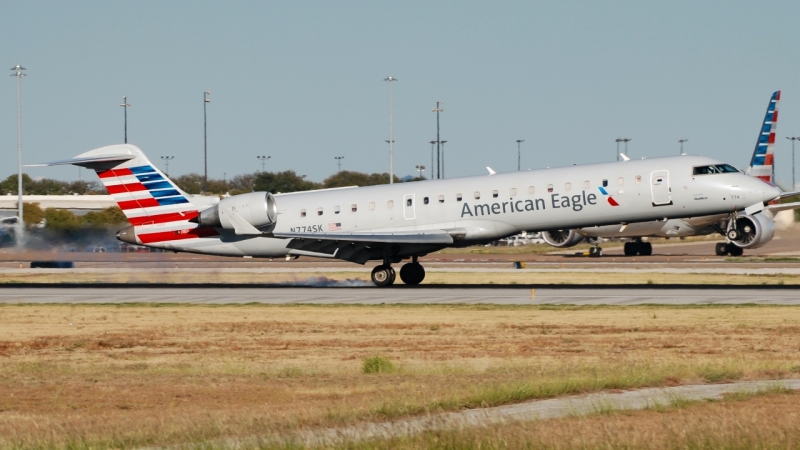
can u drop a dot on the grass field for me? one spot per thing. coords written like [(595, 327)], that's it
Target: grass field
[(137, 375)]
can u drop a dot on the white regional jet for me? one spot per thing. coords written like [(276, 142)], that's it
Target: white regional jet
[(390, 223), (741, 231)]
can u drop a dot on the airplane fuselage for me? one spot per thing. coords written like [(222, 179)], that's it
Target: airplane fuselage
[(485, 208)]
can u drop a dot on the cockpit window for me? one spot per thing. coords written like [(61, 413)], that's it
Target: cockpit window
[(726, 168), (719, 168)]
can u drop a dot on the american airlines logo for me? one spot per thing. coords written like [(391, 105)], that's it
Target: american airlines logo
[(611, 200), (557, 201)]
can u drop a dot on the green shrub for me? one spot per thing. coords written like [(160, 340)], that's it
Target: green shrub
[(377, 364)]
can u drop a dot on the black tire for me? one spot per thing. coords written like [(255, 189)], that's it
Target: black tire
[(412, 273), (630, 249), (595, 252), (645, 249), (733, 234), (383, 275), (721, 249), (735, 250)]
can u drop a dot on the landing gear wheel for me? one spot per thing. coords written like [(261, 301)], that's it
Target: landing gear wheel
[(733, 234), (412, 273), (595, 252), (721, 249), (383, 275), (735, 250), (645, 249), (630, 249)]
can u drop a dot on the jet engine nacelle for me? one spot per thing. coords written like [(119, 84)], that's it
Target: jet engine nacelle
[(562, 238), (256, 208), (754, 231)]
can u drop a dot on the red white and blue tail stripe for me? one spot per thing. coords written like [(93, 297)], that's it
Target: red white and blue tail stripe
[(762, 164)]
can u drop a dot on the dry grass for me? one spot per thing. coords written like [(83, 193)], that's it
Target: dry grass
[(131, 375), (363, 275), (765, 421)]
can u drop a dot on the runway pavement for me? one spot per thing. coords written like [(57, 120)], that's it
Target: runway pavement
[(366, 295)]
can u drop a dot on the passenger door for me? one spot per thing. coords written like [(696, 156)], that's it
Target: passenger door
[(659, 185), (409, 213)]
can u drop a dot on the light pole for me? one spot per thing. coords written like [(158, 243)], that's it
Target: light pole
[(20, 234), (205, 139), (519, 141), (125, 105), (390, 141), (437, 110), (432, 144), (793, 138), (263, 160), (167, 159), (682, 141), (618, 140), (443, 142), (419, 171), (625, 140), (339, 162)]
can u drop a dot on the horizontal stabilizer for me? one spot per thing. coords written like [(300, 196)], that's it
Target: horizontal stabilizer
[(416, 237), (89, 162)]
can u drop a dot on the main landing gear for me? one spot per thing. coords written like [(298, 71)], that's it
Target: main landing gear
[(638, 248), (411, 273), (728, 248)]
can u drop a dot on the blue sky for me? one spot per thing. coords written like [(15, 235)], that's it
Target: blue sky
[(302, 81)]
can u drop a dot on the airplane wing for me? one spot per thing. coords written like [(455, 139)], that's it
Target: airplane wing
[(778, 207), (416, 237), (356, 247), (789, 194)]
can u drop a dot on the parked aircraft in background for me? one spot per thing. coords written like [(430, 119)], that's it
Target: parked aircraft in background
[(390, 223), (741, 231)]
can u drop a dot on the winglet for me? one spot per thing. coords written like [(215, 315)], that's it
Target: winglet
[(491, 171)]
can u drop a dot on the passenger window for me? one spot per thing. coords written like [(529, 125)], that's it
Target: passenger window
[(549, 188), (390, 204), (441, 199), (620, 181), (409, 202), (568, 186), (371, 205), (458, 197), (605, 183), (638, 179), (586, 184), (513, 191), (425, 200), (477, 196), (336, 209), (354, 207), (531, 190), (302, 213), (495, 193), (319, 211)]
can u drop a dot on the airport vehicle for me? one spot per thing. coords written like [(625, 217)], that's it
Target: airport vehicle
[(390, 223), (741, 231)]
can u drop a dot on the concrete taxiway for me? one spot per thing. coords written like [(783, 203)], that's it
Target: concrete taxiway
[(356, 292)]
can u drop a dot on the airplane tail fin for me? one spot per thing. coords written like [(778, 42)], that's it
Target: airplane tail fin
[(144, 194), (762, 163)]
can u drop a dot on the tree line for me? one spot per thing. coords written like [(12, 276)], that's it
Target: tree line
[(275, 182)]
